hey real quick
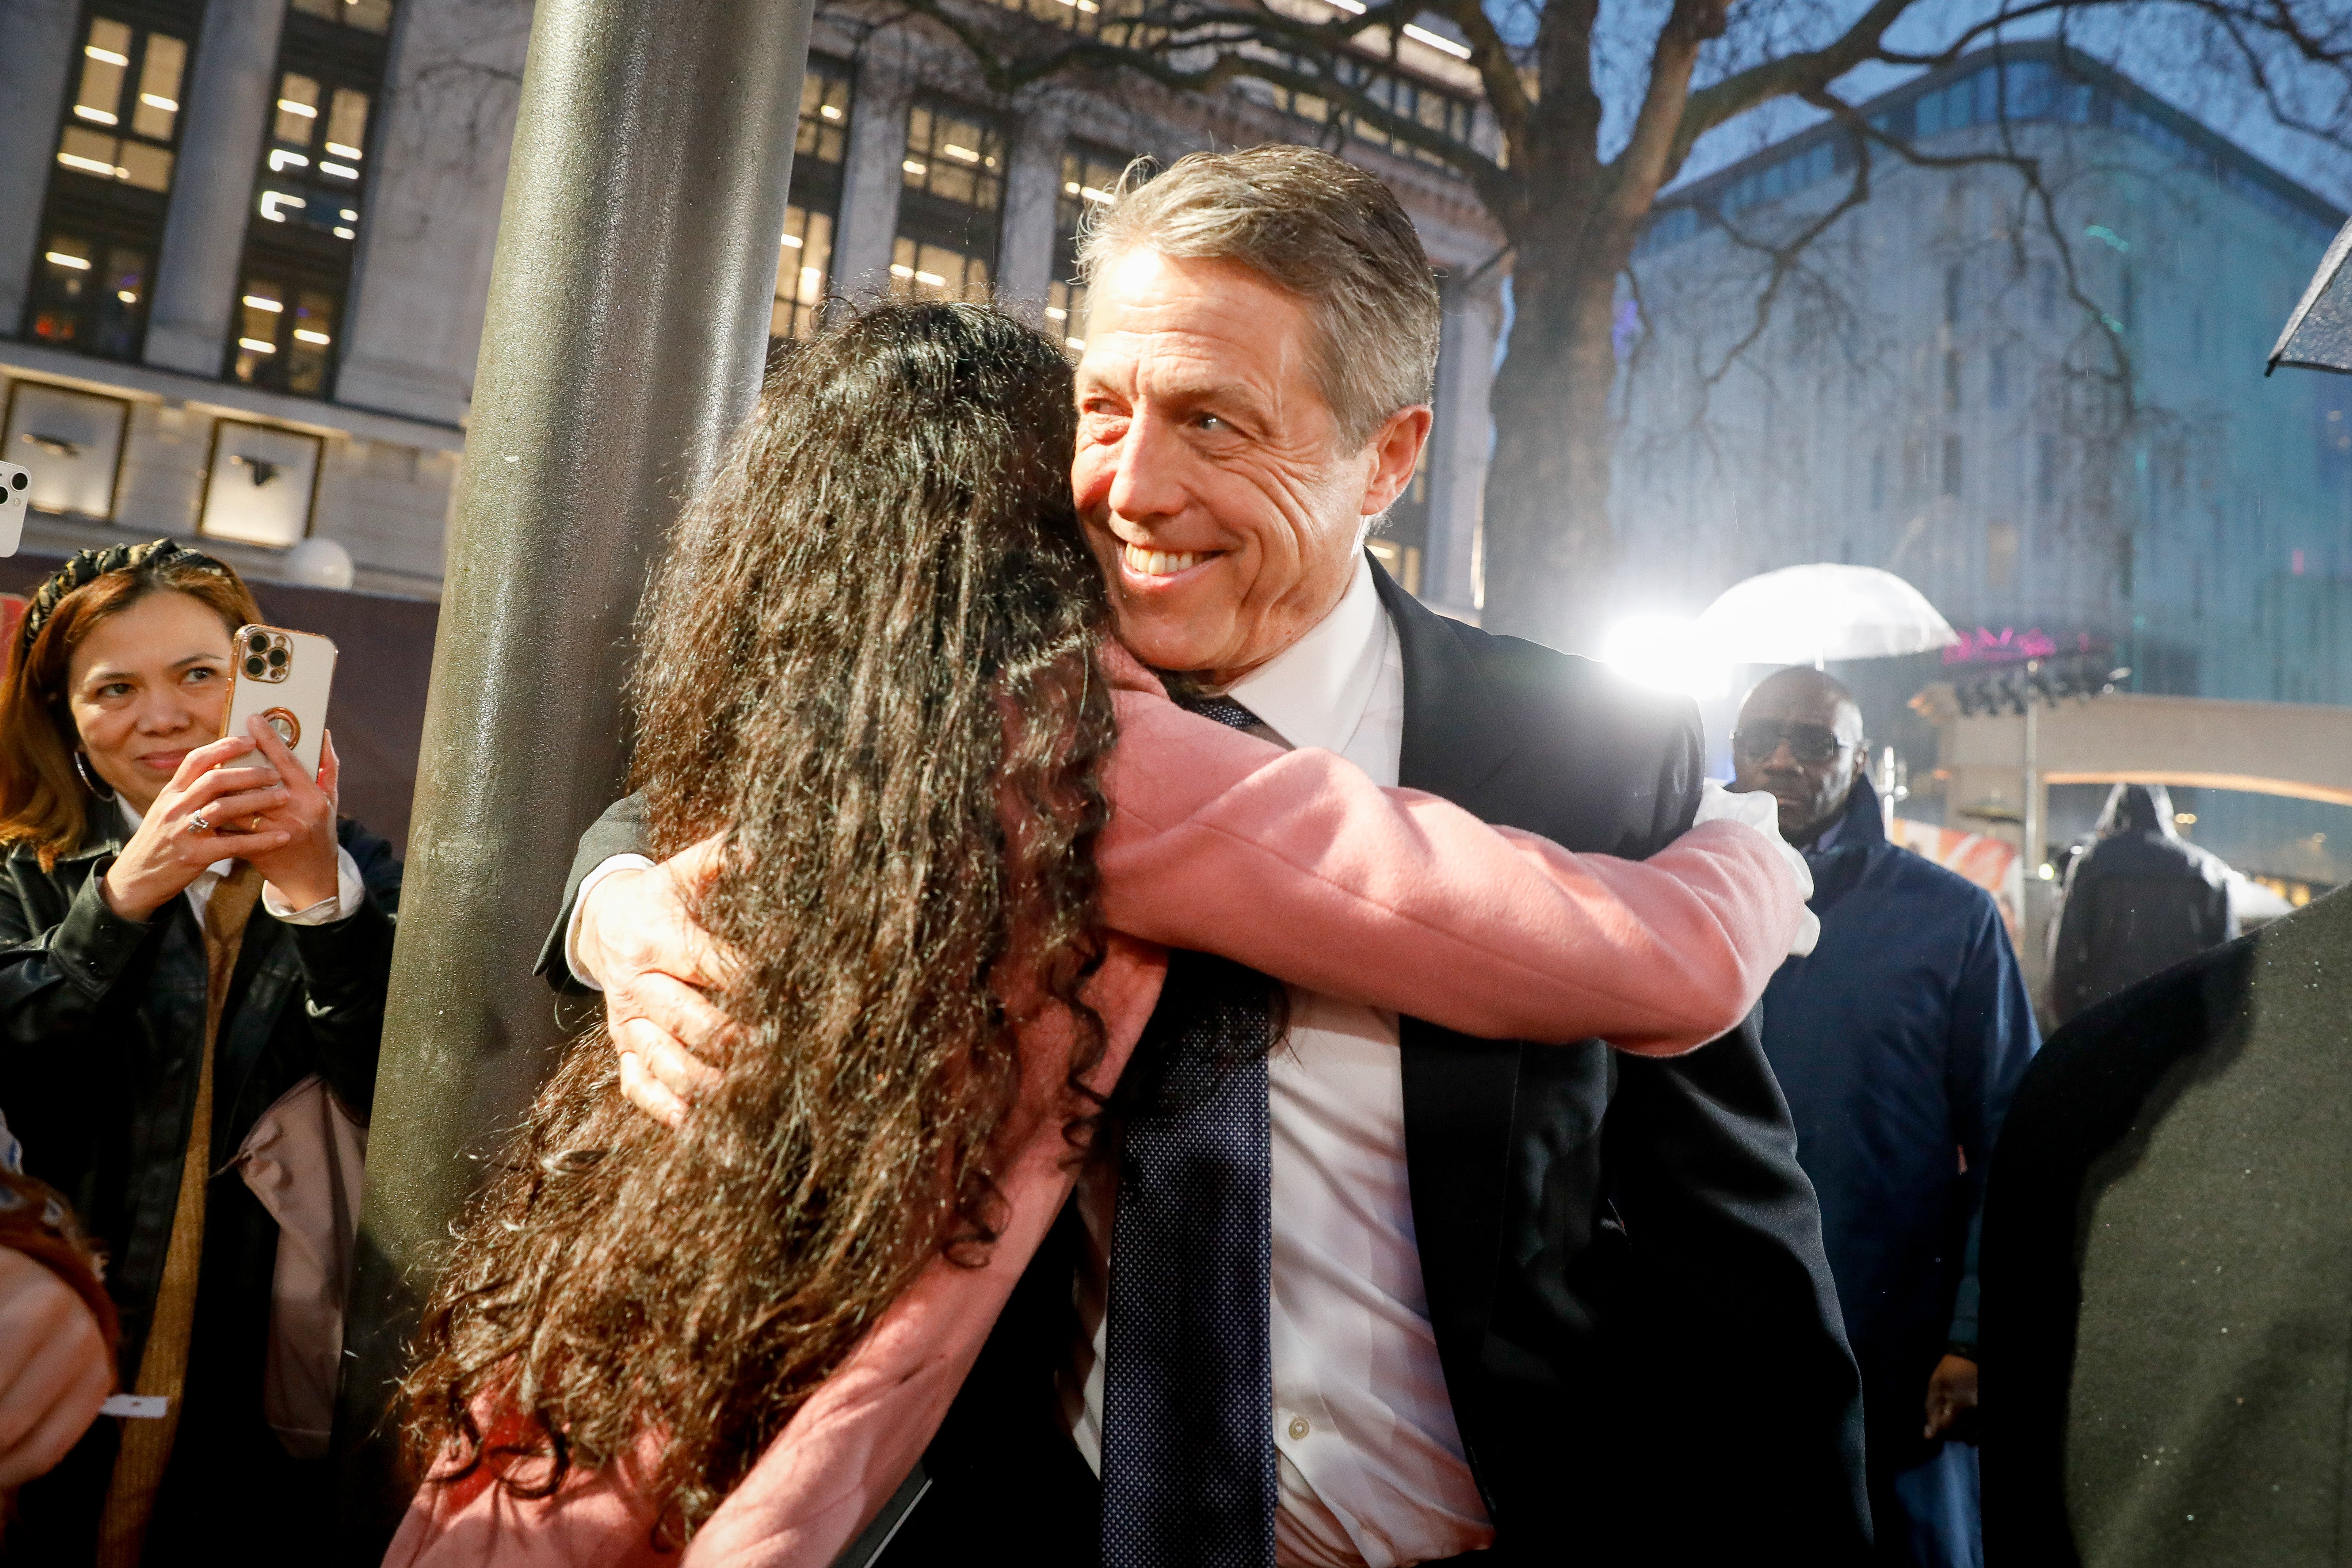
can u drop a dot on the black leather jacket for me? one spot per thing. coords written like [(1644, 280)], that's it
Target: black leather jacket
[(101, 1019)]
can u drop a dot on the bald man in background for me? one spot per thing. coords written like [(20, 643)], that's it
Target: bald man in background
[(1898, 1041)]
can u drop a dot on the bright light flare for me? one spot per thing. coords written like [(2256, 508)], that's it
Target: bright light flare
[(1669, 653)]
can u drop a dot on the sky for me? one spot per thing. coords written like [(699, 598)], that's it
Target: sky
[(2153, 42)]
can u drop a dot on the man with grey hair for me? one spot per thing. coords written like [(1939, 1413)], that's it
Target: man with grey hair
[(1383, 1294)]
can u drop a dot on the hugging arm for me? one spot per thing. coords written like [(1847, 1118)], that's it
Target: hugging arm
[(1297, 864)]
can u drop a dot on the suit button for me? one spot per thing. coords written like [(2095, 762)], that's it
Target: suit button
[(1298, 1428)]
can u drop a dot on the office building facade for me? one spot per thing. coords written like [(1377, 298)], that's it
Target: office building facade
[(2058, 439), (245, 250)]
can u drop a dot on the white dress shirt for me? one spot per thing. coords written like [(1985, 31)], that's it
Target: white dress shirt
[(1371, 1463), (349, 887)]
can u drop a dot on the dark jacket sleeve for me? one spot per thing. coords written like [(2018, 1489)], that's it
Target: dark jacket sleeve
[(56, 970), (1992, 1041), (1733, 1285), (346, 971), (622, 830)]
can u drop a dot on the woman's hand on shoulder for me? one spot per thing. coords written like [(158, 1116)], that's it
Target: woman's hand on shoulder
[(205, 813), (303, 868)]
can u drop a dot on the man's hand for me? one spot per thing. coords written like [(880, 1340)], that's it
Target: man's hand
[(639, 940), (54, 1369), (1952, 1400)]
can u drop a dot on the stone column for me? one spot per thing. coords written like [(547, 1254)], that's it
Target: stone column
[(419, 282), (1024, 256), (1459, 447), (870, 181), (232, 86), (37, 43)]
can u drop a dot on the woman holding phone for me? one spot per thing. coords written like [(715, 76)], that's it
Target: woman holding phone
[(187, 935)]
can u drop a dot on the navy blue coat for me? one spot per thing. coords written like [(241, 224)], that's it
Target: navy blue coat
[(1899, 1041)]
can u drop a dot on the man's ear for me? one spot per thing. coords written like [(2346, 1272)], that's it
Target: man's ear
[(1395, 449)]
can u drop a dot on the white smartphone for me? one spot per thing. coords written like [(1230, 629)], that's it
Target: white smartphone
[(284, 677), (14, 482)]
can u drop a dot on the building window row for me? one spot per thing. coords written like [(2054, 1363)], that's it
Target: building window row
[(260, 483), (952, 180), (117, 147), (1450, 115)]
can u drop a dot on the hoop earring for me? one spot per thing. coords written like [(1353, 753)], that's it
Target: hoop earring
[(89, 783)]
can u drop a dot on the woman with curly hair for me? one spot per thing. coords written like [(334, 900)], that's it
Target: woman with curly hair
[(950, 826)]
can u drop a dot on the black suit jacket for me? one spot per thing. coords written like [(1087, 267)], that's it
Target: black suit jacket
[(1636, 1320)]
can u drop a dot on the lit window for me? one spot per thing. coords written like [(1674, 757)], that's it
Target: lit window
[(90, 143), (1089, 175), (804, 256), (298, 109), (89, 295), (953, 189)]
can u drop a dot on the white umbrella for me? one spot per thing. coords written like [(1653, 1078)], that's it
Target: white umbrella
[(1813, 615)]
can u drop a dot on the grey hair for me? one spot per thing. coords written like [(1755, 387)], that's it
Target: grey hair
[(1315, 226)]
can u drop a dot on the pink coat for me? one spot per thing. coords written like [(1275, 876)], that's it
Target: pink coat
[(1292, 862)]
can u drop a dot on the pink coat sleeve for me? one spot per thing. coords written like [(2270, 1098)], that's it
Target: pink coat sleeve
[(1296, 863)]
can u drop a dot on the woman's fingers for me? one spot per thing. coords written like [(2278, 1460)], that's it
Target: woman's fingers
[(214, 787), (330, 769), (206, 758), (238, 810), (289, 770), (239, 845)]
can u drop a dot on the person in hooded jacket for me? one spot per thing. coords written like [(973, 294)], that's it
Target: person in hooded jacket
[(193, 946), (2140, 900), (1898, 1042)]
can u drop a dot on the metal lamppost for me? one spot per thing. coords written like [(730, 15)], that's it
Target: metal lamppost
[(626, 335)]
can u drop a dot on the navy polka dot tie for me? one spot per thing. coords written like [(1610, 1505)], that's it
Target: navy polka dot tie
[(1188, 1466)]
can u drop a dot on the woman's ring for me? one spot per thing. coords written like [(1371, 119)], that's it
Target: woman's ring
[(199, 825)]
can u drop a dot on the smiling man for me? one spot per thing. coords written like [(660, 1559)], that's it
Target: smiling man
[(1383, 1294)]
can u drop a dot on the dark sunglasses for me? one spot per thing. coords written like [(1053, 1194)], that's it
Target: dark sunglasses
[(1759, 741)]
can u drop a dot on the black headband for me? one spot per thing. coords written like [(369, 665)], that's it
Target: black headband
[(88, 565)]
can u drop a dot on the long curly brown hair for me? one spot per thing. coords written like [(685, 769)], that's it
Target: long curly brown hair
[(868, 659)]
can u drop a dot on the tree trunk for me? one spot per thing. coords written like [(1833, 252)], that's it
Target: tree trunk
[(1549, 552)]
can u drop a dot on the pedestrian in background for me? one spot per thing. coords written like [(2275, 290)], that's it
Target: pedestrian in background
[(2140, 900), (1898, 1041)]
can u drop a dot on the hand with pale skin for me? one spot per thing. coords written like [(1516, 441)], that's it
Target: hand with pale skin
[(302, 871), (1952, 1400), (639, 938), (54, 1368), (171, 849)]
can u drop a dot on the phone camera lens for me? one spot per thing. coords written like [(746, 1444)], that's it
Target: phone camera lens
[(257, 642), (277, 658), (256, 667), (19, 480)]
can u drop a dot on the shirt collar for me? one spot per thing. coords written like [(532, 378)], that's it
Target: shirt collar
[(1826, 840), (1314, 692)]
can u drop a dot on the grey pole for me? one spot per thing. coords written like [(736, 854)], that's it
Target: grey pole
[(624, 338)]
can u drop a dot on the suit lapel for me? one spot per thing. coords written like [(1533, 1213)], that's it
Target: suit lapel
[(1454, 733), (1459, 1093)]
